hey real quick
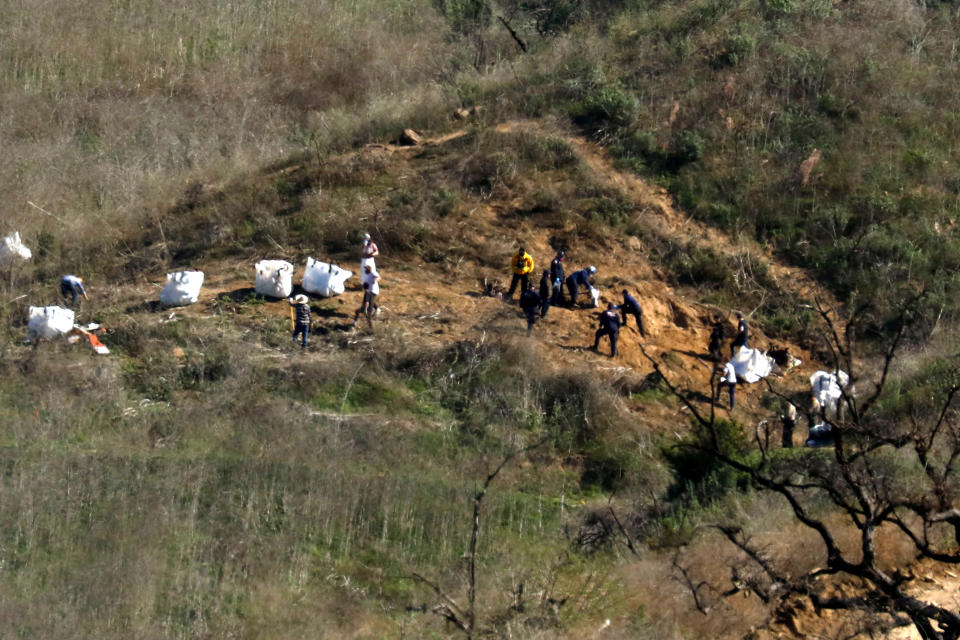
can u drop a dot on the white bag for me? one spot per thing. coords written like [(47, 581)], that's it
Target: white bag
[(595, 295), (324, 278), (274, 278), (182, 288), (751, 364), (827, 388), (49, 322), (11, 248)]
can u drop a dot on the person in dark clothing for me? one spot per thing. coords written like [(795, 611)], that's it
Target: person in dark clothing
[(789, 421), (557, 277), (544, 294), (716, 339), (579, 279), (301, 323), (632, 307), (740, 339), (609, 326), (71, 286), (530, 303)]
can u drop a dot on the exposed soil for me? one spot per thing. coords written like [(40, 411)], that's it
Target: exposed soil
[(434, 305)]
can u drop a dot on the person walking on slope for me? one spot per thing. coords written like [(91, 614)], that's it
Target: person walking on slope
[(789, 421), (368, 253), (71, 287), (609, 326), (729, 380), (557, 277), (716, 338), (301, 321), (530, 303), (740, 339), (371, 291), (544, 294), (522, 265), (632, 307), (579, 279)]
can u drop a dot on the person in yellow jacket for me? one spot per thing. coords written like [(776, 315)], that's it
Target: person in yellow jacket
[(522, 265)]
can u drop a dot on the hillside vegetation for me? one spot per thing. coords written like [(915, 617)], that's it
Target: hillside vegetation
[(207, 479)]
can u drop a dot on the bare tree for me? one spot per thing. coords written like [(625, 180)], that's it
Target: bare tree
[(892, 467), (465, 618)]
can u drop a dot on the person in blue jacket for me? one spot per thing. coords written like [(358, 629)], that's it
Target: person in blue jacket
[(579, 279), (630, 306), (740, 339), (609, 326), (71, 287), (530, 303), (557, 277)]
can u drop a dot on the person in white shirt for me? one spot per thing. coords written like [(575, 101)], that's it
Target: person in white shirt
[(368, 252), (371, 291), (728, 379)]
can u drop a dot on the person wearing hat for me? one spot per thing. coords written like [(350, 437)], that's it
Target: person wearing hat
[(301, 322), (609, 326), (557, 277), (632, 307), (368, 252), (579, 279), (71, 286), (522, 265), (371, 290)]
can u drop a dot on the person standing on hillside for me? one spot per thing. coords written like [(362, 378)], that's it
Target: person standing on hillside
[(740, 339), (522, 265), (716, 338), (71, 287), (728, 379), (371, 292), (368, 253), (530, 303), (789, 421), (557, 277), (301, 321), (609, 326), (579, 279), (544, 294), (632, 307)]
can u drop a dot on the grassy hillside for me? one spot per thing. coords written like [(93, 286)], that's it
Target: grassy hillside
[(208, 480)]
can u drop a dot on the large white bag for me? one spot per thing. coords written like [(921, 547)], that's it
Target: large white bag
[(324, 278), (274, 278), (49, 322), (182, 288), (827, 388), (12, 248), (751, 364)]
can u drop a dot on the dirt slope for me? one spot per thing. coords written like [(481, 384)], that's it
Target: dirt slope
[(433, 304)]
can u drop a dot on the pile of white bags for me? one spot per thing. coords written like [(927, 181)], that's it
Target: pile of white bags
[(827, 388), (182, 288), (324, 278), (751, 364), (274, 278), (49, 322), (12, 248)]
